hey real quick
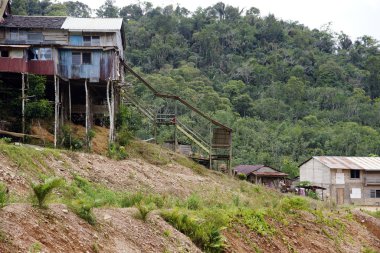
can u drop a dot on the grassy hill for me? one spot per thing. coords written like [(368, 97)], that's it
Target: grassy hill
[(159, 201)]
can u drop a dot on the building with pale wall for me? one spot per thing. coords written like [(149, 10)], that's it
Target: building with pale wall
[(348, 180)]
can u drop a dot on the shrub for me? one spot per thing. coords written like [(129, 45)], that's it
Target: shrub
[(290, 204), (117, 152), (144, 210), (203, 233), (131, 199), (193, 202), (6, 139), (42, 190), (83, 208), (3, 195), (242, 176), (255, 220), (313, 195)]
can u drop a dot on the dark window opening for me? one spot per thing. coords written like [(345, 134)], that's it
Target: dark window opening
[(355, 174), (95, 41), (86, 58), (374, 194), (87, 40), (76, 58), (4, 53)]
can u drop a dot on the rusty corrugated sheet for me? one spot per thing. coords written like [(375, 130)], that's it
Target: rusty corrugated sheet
[(41, 67), (350, 162), (13, 65)]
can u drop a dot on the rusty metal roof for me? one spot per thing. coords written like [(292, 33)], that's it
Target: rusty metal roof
[(92, 24), (254, 169), (247, 169), (42, 22), (270, 174), (350, 162)]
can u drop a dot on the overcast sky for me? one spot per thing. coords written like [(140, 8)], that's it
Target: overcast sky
[(354, 17)]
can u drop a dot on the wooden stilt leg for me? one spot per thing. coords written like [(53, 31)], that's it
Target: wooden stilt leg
[(87, 116), (56, 111), (23, 104)]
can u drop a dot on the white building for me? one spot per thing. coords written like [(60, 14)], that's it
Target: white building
[(348, 180)]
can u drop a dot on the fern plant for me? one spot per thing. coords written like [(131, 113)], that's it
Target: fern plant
[(3, 195), (42, 190)]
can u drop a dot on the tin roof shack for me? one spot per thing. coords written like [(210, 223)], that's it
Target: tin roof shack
[(80, 57), (261, 174), (348, 180)]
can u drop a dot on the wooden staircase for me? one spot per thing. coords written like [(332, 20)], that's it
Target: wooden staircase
[(218, 145)]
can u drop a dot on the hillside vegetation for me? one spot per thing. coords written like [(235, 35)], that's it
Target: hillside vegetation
[(158, 201), (287, 91)]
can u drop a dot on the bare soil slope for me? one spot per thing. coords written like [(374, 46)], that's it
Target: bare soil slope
[(25, 228)]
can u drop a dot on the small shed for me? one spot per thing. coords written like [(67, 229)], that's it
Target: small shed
[(262, 174)]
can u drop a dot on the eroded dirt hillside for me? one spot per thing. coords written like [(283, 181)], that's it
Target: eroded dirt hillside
[(276, 223)]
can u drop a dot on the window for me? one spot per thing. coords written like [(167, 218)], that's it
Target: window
[(95, 41), (4, 53), (86, 40), (42, 54), (355, 174), (45, 54), (374, 194), (76, 56), (91, 40), (86, 58), (36, 37), (79, 58)]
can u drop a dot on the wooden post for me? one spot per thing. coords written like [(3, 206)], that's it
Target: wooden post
[(175, 128), (210, 151), (110, 104), (230, 156), (23, 104), (56, 110), (112, 123), (87, 115), (70, 111)]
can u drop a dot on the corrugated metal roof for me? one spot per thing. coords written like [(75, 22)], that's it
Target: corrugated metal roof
[(247, 169), (92, 24), (44, 22), (350, 162)]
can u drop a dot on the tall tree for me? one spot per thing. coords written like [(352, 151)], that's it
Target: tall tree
[(108, 10)]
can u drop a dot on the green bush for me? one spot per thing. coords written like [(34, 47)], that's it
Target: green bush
[(6, 140), (131, 199), (203, 233), (193, 202), (255, 220), (144, 210), (242, 176), (42, 190), (290, 204), (83, 208), (115, 151), (313, 195), (3, 195), (69, 140)]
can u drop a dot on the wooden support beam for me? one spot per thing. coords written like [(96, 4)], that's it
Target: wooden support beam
[(70, 111), (112, 123), (88, 142), (110, 112), (20, 135), (56, 110), (23, 103)]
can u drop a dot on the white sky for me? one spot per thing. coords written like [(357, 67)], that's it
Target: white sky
[(354, 17)]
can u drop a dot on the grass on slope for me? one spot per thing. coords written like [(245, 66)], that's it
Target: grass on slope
[(202, 216)]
